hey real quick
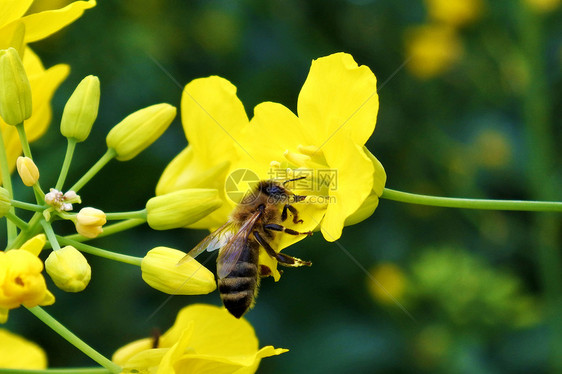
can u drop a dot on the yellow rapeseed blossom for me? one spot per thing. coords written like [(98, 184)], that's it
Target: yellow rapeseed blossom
[(21, 281), (390, 285), (161, 269), (89, 222), (19, 353), (337, 108), (204, 339), (16, 30), (139, 130), (432, 50), (28, 171), (181, 208), (69, 269), (15, 91), (81, 110), (454, 13)]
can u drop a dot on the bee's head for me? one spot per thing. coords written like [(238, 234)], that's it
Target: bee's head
[(272, 188)]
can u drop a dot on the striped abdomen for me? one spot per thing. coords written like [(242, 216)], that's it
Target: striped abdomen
[(239, 288)]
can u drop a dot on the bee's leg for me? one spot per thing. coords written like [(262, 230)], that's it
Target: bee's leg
[(282, 258), (276, 227)]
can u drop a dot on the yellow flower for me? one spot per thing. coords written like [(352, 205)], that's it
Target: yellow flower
[(161, 269), (16, 30), (69, 269), (390, 285), (337, 107), (181, 208), (89, 222), (543, 6), (19, 353), (454, 12), (21, 281), (432, 49), (204, 339), (27, 170)]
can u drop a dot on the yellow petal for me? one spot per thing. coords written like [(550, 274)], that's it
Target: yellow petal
[(19, 353), (354, 184), (40, 25), (11, 10), (339, 97), (169, 360), (128, 351), (210, 110), (43, 86), (35, 244), (13, 36)]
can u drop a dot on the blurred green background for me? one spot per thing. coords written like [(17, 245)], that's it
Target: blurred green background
[(483, 288)]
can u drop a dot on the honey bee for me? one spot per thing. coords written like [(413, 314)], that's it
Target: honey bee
[(252, 225)]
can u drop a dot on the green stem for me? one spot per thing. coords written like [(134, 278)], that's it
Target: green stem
[(23, 140), (50, 235), (107, 156), (27, 206), (110, 229), (131, 260), (138, 214), (484, 204), (70, 147), (60, 329), (17, 221), (12, 230), (23, 236), (57, 371)]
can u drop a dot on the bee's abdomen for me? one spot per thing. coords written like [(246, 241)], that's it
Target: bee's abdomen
[(239, 288)]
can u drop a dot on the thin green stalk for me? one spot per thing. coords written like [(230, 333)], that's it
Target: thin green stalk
[(50, 235), (107, 156), (25, 235), (484, 204), (23, 140), (18, 221), (11, 228), (27, 206), (70, 147), (60, 329), (110, 229), (131, 260), (138, 214)]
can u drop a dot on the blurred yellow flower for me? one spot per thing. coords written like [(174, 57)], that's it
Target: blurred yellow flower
[(21, 281), (391, 283), (543, 6), (204, 339), (454, 12), (432, 50), (16, 30), (19, 353)]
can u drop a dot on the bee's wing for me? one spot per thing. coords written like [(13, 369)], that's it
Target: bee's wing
[(213, 241), (230, 253)]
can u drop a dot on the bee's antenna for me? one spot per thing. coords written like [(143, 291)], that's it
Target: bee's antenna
[(292, 180)]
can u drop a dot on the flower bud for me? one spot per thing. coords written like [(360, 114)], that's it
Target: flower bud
[(89, 222), (181, 208), (162, 270), (5, 202), (69, 269), (139, 130), (81, 109), (15, 91), (27, 170)]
